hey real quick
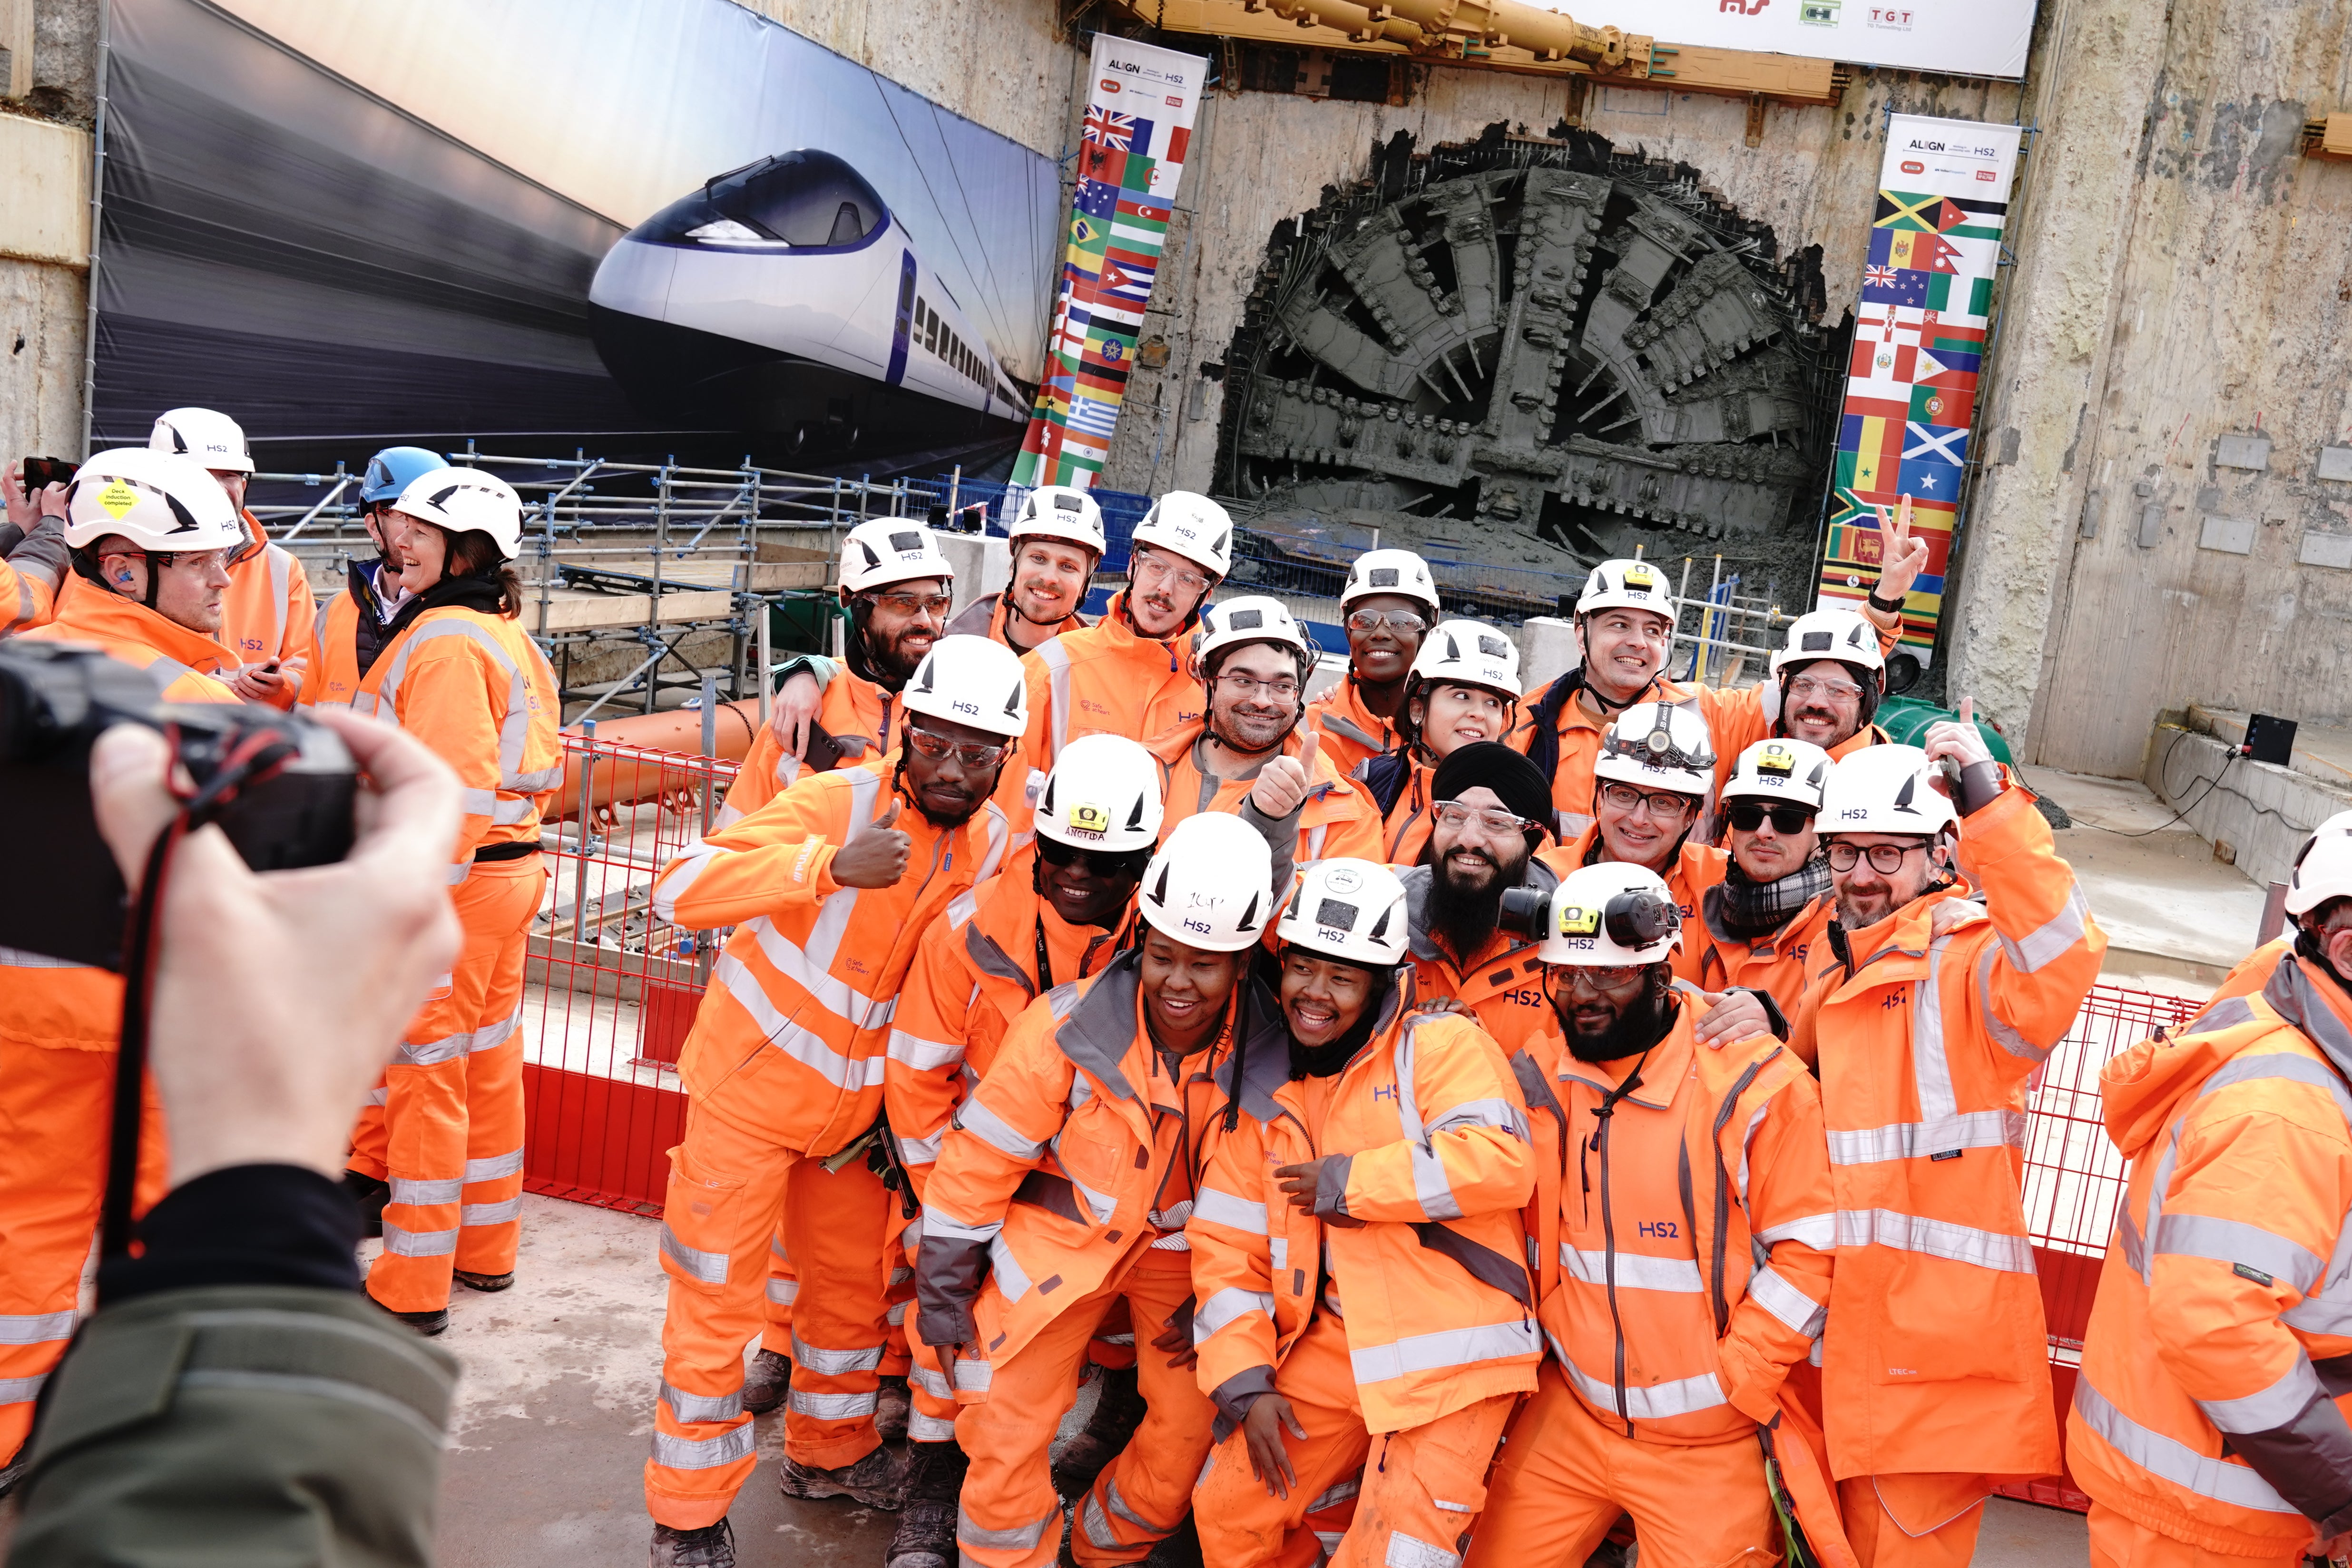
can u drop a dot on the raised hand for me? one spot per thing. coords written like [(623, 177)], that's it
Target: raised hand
[(875, 857), (1903, 554)]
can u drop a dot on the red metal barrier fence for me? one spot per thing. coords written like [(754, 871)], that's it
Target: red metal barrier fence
[(610, 991)]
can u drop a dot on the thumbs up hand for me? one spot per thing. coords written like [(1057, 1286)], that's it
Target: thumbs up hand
[(1281, 784), (876, 856)]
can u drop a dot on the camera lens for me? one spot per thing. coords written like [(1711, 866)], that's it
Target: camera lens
[(1524, 911)]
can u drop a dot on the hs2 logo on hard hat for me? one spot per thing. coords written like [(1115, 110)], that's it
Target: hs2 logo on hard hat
[(970, 708), (1091, 820), (1577, 920)]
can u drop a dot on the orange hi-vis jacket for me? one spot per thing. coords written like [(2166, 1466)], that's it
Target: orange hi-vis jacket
[(1405, 828), (1054, 1165), (2238, 1333), (1504, 988), (1683, 1243), (2217, 1371), (985, 617), (1337, 818), (28, 598), (1423, 1168), (854, 711), (1106, 680), (187, 666), (1937, 1358), (1352, 733), (475, 687), (268, 612), (335, 674), (1778, 964), (789, 1042), (2254, 971), (1696, 868), (974, 973)]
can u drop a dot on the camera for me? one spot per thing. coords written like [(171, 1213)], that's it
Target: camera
[(1525, 912), (42, 472), (56, 699)]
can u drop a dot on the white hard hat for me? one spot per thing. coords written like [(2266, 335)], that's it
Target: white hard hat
[(1658, 746), (1779, 770), (1191, 526), (2322, 872), (161, 502), (1348, 909), (1831, 632), (1609, 914), (1210, 884), (1060, 511), (972, 680), (1253, 617), (1390, 572), (1884, 789), (466, 501), (889, 549), (1468, 653), (214, 440), (1625, 586), (1102, 793)]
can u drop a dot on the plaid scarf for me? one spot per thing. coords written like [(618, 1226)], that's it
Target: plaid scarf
[(1750, 910)]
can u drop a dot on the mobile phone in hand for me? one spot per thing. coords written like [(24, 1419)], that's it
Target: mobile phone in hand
[(42, 472)]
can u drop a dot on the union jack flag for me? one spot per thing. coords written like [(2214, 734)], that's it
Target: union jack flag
[(1114, 131), (1883, 276)]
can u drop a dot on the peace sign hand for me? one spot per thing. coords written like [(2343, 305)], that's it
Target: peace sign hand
[(1903, 554)]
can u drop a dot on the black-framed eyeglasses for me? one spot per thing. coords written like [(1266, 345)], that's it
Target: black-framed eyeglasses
[(967, 753), (1884, 858), (1748, 815), (1403, 622), (1110, 865), (1663, 807), (1453, 813)]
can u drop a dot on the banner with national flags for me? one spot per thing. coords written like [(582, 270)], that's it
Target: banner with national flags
[(1130, 155), (1918, 347)]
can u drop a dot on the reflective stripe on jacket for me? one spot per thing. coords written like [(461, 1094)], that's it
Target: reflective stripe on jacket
[(1696, 868), (347, 637), (1049, 1176), (1682, 1242), (1937, 1358), (1778, 964), (1425, 1165), (1352, 733), (268, 612), (2217, 1369), (1336, 819), (790, 1040), (476, 690), (1504, 988), (1106, 680), (974, 973)]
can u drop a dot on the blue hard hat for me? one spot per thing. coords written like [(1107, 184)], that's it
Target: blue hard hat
[(390, 471)]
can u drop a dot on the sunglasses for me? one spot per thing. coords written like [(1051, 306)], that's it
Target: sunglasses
[(969, 753), (1746, 816), (1108, 864)]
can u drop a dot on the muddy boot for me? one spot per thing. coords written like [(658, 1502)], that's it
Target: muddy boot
[(371, 1195), (926, 1522), (491, 1283), (712, 1546), (430, 1325), (876, 1481), (770, 1379), (892, 1405), (1117, 1412)]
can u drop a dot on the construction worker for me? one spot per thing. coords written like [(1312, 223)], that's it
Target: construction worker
[(898, 589), (1358, 1254), (991, 953), (1924, 1030), (349, 631), (149, 536), (1682, 1248), (2254, 971), (1245, 755), (1465, 689), (1100, 1112), (33, 557), (1762, 925), (2209, 1422), (268, 616), (1129, 674), (442, 1149), (1651, 783), (830, 888), (1386, 605), (1056, 542), (1488, 820)]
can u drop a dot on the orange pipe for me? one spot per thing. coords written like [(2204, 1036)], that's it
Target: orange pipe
[(626, 780)]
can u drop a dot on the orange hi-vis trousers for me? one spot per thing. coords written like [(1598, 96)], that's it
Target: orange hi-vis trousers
[(2118, 1541), (897, 1289), (1421, 1492), (57, 1111), (1009, 1516), (729, 1189), (448, 1135), (1565, 1476)]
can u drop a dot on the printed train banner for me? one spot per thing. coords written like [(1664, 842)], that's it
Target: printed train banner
[(1131, 157), (1918, 348)]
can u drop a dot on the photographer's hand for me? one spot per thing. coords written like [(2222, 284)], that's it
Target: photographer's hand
[(278, 998)]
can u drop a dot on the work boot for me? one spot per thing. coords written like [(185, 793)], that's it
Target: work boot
[(488, 1283), (371, 1195), (429, 1324), (770, 1379), (1180, 1550), (1117, 1412), (14, 1471), (712, 1546), (927, 1524), (892, 1405), (876, 1481)]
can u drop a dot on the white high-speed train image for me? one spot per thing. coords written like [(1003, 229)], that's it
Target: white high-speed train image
[(785, 297)]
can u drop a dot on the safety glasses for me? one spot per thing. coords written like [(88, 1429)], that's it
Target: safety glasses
[(967, 753), (1746, 816), (1107, 865)]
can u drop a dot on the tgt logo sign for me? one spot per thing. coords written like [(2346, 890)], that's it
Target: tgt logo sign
[(1894, 18), (1744, 7)]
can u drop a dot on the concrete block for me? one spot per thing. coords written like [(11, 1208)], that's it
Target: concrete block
[(2320, 548), (2233, 535), (2335, 463), (983, 564), (2241, 452), (2262, 811), (45, 169), (1548, 649)]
